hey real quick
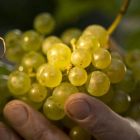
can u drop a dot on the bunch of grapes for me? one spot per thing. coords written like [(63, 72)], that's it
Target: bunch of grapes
[(49, 69)]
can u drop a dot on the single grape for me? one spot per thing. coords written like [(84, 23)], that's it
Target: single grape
[(18, 83), (88, 42), (77, 76), (97, 83), (30, 41), (52, 111), (115, 71), (116, 55), (81, 58), (44, 23), (136, 70), (101, 58), (49, 42), (98, 32), (50, 76), (59, 55), (62, 92)]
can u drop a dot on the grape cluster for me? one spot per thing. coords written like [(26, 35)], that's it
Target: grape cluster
[(49, 69)]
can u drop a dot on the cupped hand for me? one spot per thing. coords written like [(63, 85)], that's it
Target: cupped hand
[(86, 111)]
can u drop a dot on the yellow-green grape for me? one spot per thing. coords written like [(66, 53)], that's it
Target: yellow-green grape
[(98, 32), (81, 58), (44, 23), (77, 76), (37, 92), (50, 76), (116, 55), (78, 133), (128, 84), (40, 69), (49, 42), (82, 89), (59, 55), (132, 57), (108, 96), (133, 111), (18, 83), (69, 34), (88, 42), (52, 111), (121, 101), (30, 41), (136, 70), (67, 122), (12, 37), (101, 58), (97, 83), (62, 92), (14, 52), (115, 71), (33, 60)]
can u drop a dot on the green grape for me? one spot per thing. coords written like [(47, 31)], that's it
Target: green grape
[(88, 42), (49, 42), (132, 57), (59, 55), (133, 111), (97, 83), (12, 37), (81, 58), (32, 60), (69, 34), (30, 41), (128, 84), (37, 92), (115, 71), (50, 76), (101, 58), (62, 92), (67, 122), (108, 96), (14, 53), (44, 23), (136, 70), (121, 101), (18, 83), (78, 133), (77, 76), (52, 111), (82, 89), (116, 55), (98, 32)]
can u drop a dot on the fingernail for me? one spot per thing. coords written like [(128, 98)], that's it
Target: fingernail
[(17, 115), (79, 109), (4, 134)]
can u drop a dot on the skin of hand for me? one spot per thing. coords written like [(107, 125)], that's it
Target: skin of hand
[(88, 112)]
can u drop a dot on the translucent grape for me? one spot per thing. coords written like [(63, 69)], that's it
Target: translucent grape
[(37, 92), (44, 23), (31, 41), (59, 55), (77, 76), (97, 83), (98, 32), (115, 71), (116, 55), (81, 58), (52, 111), (136, 70), (49, 42), (18, 83), (62, 92), (88, 42), (101, 58), (50, 76)]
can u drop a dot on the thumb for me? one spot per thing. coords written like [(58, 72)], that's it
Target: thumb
[(95, 117)]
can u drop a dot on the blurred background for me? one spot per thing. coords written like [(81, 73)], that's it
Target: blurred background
[(15, 14)]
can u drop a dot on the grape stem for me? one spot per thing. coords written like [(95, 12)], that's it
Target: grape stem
[(73, 44), (4, 48), (119, 17)]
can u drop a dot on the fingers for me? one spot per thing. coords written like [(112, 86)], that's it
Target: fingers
[(7, 134), (98, 119), (31, 124)]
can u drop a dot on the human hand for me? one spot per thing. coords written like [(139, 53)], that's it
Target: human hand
[(88, 112)]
